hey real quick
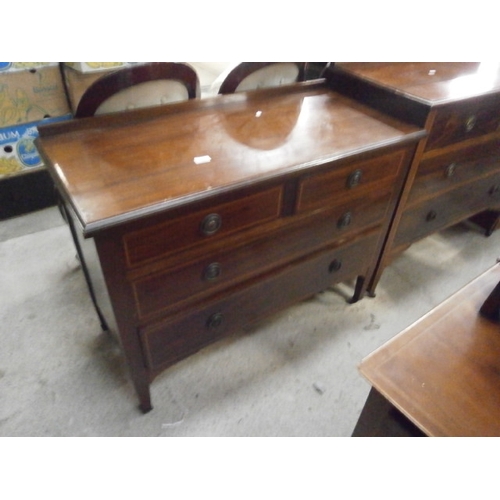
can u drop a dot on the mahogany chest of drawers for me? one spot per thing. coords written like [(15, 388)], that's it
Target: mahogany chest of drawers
[(455, 175), (194, 220)]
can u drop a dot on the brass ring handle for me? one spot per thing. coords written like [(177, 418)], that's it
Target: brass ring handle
[(214, 321), (431, 216), (470, 123), (212, 271), (494, 189), (335, 265), (345, 220), (451, 169), (211, 224), (354, 179)]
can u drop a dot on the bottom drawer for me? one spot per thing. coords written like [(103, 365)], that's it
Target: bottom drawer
[(447, 209), (170, 341)]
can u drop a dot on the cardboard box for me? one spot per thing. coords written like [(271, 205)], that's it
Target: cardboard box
[(77, 83), (31, 95), (92, 67), (23, 66), (17, 149)]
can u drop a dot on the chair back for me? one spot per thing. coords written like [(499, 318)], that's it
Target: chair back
[(255, 75), (144, 85)]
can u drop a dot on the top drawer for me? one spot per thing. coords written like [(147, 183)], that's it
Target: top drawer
[(338, 185), (451, 126), (195, 228)]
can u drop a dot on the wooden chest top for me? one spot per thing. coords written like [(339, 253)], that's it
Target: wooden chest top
[(430, 82), (122, 167)]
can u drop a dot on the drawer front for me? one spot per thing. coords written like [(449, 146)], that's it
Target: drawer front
[(447, 209), (195, 229), (464, 123), (164, 289), (446, 171), (334, 187), (166, 343)]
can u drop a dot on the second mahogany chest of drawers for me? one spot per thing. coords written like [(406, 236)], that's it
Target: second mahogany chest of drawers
[(455, 175)]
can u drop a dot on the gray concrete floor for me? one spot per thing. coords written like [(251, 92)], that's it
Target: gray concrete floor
[(293, 375)]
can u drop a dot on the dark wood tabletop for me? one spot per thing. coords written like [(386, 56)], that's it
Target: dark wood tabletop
[(117, 168), (443, 372), (430, 82)]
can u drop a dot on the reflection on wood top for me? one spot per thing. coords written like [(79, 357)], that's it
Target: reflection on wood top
[(443, 372), (113, 167), (430, 82)]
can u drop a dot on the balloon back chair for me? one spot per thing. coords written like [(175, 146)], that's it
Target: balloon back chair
[(144, 85), (255, 75)]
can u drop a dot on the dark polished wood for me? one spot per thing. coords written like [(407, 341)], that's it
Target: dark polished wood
[(303, 128), (124, 78), (442, 371), (245, 69), (455, 175), (211, 214)]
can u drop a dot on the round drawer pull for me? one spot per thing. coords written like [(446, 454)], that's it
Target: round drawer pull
[(212, 271), (345, 220), (431, 216), (354, 179), (211, 224), (215, 321), (495, 189), (470, 123), (451, 169), (335, 265)]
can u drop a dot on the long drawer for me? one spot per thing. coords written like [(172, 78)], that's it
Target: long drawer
[(448, 170), (464, 122), (448, 208), (166, 342)]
